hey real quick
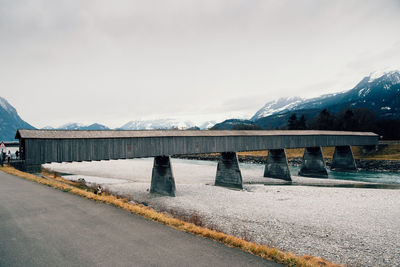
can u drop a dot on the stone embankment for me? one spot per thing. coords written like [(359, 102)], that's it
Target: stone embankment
[(362, 164), (378, 165)]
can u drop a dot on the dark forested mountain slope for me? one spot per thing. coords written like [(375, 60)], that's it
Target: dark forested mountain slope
[(378, 93)]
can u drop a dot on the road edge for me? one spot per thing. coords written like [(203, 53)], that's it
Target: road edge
[(262, 251)]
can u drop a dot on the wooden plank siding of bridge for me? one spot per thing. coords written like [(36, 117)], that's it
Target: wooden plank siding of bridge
[(45, 146)]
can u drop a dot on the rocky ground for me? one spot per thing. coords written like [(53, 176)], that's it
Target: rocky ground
[(353, 226)]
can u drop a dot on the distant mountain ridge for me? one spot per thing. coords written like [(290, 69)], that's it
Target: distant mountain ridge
[(78, 126), (156, 124), (377, 92), (160, 124), (164, 124), (276, 106), (233, 123), (10, 121)]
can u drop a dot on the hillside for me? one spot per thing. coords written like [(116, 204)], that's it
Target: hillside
[(10, 121), (78, 126), (379, 93), (235, 124), (164, 124)]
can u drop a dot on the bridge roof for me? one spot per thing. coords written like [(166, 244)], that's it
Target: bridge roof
[(87, 134)]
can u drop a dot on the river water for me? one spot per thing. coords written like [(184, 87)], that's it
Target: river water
[(364, 176)]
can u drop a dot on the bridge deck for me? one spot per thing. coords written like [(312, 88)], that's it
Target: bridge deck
[(42, 146)]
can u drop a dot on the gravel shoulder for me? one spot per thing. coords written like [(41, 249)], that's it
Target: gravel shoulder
[(41, 226), (354, 226)]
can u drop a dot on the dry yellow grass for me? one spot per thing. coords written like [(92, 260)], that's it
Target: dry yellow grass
[(391, 152), (263, 251), (290, 153)]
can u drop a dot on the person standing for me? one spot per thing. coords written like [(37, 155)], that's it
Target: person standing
[(3, 158)]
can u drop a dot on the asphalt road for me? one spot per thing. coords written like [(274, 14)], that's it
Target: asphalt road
[(42, 226)]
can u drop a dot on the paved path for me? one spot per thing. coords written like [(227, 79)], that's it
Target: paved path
[(42, 226)]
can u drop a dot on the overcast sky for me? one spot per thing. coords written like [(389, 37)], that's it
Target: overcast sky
[(115, 61)]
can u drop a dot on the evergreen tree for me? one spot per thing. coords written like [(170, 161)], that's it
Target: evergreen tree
[(345, 120), (348, 120), (325, 121), (364, 119), (292, 122), (302, 123)]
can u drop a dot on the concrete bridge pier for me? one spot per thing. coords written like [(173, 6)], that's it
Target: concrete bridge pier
[(277, 165), (313, 164), (162, 178), (228, 172), (343, 159)]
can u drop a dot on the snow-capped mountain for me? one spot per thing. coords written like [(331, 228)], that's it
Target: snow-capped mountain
[(159, 124), (207, 125), (391, 76), (10, 121), (164, 124), (79, 126), (47, 128), (276, 106), (71, 126), (137, 125), (295, 103), (379, 92)]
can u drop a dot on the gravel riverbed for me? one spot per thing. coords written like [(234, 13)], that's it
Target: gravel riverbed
[(348, 225)]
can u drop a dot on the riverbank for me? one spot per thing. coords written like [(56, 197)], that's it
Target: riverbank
[(349, 225), (385, 158), (192, 226)]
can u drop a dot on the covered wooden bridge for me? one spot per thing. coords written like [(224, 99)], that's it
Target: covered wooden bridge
[(44, 146)]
